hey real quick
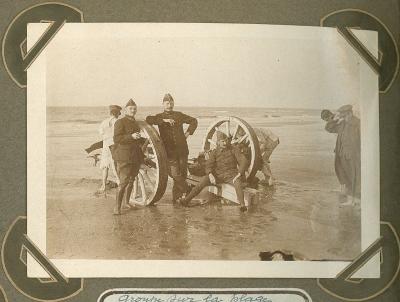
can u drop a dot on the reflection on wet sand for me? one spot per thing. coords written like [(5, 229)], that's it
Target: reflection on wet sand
[(302, 215), (306, 227)]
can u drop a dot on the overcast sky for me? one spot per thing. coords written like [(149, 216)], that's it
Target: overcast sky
[(201, 65)]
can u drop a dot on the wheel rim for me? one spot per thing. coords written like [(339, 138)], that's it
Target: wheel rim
[(151, 182), (238, 131)]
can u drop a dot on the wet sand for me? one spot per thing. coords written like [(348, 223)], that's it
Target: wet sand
[(300, 215), (80, 226)]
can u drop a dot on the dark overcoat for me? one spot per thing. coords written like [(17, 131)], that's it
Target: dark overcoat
[(348, 153), (126, 148), (173, 137), (226, 163)]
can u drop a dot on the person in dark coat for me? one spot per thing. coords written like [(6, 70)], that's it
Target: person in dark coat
[(347, 151), (331, 121), (226, 164), (170, 125), (127, 153)]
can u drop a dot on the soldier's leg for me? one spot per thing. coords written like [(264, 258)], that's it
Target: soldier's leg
[(239, 192), (178, 172), (173, 171), (348, 180), (204, 182), (266, 170), (133, 172), (123, 175), (114, 164), (104, 176), (355, 181), (183, 186)]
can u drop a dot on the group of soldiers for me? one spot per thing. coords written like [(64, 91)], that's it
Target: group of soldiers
[(123, 153)]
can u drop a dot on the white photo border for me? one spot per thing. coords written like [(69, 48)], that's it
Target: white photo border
[(36, 174)]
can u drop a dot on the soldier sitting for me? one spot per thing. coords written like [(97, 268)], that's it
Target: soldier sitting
[(226, 164)]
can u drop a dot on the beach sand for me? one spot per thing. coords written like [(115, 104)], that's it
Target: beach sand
[(301, 214)]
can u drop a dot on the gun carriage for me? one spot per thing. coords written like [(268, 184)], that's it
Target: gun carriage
[(151, 183)]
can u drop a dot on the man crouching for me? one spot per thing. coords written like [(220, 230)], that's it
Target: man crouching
[(226, 164)]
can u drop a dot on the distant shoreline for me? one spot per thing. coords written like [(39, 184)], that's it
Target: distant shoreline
[(211, 107)]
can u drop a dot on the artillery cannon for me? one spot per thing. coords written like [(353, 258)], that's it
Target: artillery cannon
[(151, 182)]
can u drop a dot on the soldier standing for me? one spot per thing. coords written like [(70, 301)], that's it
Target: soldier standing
[(127, 153), (348, 151), (170, 124)]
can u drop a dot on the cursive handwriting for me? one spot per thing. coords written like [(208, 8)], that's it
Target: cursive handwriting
[(134, 298), (246, 298), (195, 298)]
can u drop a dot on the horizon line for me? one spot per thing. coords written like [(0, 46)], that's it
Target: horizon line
[(160, 106)]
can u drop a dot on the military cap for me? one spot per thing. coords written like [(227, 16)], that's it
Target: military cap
[(345, 108), (130, 103), (221, 136), (115, 108), (168, 98)]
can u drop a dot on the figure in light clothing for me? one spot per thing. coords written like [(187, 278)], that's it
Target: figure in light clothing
[(106, 131), (268, 142)]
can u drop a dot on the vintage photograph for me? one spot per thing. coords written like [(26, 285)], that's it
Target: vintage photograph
[(203, 144)]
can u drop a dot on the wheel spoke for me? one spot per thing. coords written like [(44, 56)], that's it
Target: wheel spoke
[(133, 196), (142, 188), (244, 137), (235, 132), (240, 132), (147, 179), (227, 127), (212, 142), (153, 175)]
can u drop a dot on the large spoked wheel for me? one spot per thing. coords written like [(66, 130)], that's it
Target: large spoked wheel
[(241, 134), (151, 182)]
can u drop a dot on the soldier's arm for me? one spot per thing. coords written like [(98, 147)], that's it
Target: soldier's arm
[(154, 119), (191, 121), (332, 126), (120, 137)]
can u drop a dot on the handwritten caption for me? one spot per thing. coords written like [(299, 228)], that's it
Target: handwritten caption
[(194, 298)]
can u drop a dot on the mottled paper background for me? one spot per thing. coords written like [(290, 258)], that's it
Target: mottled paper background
[(13, 117)]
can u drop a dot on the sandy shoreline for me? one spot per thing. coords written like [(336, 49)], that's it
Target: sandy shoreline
[(302, 215), (80, 226)]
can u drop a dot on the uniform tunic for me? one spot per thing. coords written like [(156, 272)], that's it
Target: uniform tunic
[(173, 137), (127, 152), (226, 163), (174, 140)]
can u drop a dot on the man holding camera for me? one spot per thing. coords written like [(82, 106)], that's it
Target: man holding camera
[(347, 150), (127, 153)]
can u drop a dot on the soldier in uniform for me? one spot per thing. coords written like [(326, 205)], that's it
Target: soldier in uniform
[(348, 151), (170, 124), (127, 153), (226, 164)]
